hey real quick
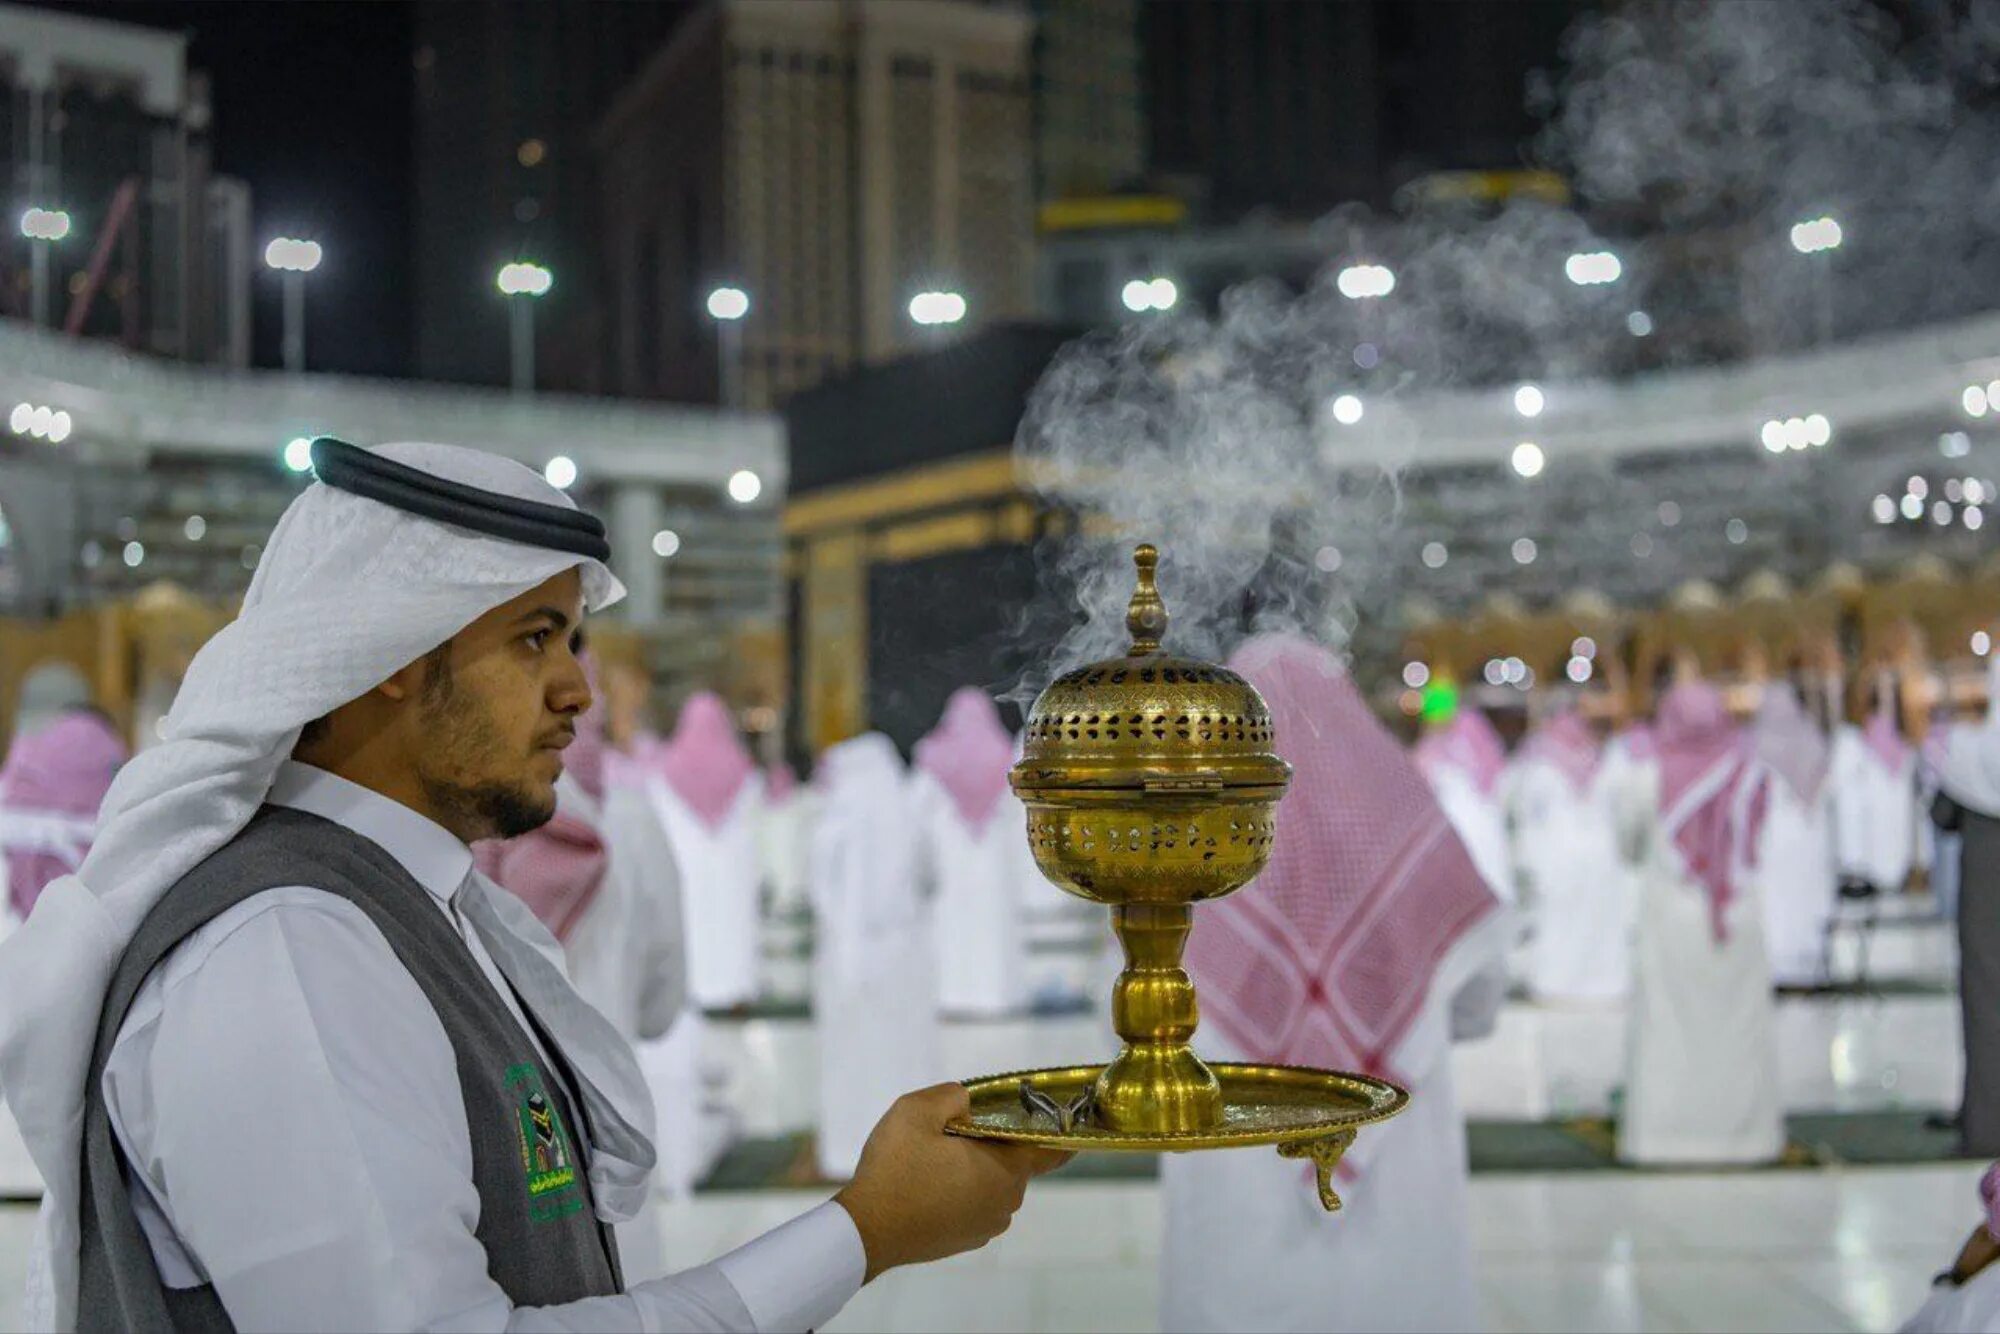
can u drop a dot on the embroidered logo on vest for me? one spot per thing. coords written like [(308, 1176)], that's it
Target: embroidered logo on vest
[(553, 1190)]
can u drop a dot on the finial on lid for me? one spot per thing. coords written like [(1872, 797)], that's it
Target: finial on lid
[(1146, 616)]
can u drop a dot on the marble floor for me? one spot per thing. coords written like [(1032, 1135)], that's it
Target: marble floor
[(1851, 1250)]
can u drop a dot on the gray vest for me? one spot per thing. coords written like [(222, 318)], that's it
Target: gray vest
[(544, 1245)]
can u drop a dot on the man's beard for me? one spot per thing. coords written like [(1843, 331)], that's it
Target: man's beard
[(505, 811), (493, 809)]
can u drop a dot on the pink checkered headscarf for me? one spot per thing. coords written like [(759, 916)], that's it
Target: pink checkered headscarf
[(1790, 744), (1467, 743), (1884, 739), (54, 780), (969, 753), (704, 761), (1713, 793), (1566, 743), (1327, 958)]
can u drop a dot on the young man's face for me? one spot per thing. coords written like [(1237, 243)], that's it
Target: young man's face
[(497, 704)]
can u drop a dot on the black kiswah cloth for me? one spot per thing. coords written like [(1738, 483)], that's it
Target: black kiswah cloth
[(357, 471)]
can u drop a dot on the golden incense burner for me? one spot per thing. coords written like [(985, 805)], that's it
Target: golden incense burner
[(1152, 784)]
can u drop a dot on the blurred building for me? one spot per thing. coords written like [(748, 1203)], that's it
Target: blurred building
[(166, 473), (911, 527), (1089, 113), (831, 160), (1300, 105), (505, 94), (908, 535), (107, 142)]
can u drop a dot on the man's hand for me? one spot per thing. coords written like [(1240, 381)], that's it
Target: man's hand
[(920, 1194)]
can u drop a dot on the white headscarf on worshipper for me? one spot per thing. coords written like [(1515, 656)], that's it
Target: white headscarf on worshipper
[(1971, 771), (349, 591)]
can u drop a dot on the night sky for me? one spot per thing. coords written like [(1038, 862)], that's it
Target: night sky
[(313, 108)]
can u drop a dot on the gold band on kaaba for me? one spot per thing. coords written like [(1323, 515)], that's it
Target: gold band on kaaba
[(1152, 784)]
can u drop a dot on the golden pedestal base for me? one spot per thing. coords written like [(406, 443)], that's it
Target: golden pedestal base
[(1303, 1113)]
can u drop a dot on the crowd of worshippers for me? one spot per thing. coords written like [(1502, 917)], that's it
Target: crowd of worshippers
[(1684, 866)]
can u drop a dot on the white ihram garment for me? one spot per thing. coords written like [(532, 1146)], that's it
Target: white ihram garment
[(1876, 815), (1480, 821), (977, 915), (720, 876), (342, 1049), (874, 996), (1702, 1055), (1247, 1245), (783, 844), (1796, 879), (1567, 849)]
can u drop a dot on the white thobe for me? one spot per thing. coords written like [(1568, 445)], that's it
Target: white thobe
[(1971, 1309), (1796, 882), (243, 1125), (1701, 1081), (1580, 890), (720, 875), (782, 845), (1876, 814), (874, 989), (976, 912), (1480, 821), (1247, 1246)]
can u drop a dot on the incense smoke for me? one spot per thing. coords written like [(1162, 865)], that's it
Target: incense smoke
[(1697, 131)]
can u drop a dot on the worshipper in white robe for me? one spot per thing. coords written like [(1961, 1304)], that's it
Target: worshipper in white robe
[(1965, 1299), (971, 829), (1796, 875), (874, 988), (601, 877), (1368, 943), (57, 772), (1875, 802), (370, 1099), (711, 797), (1968, 805), (1567, 848), (1465, 761), (1701, 1056), (784, 839)]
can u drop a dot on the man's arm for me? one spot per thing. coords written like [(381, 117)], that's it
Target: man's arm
[(294, 1106)]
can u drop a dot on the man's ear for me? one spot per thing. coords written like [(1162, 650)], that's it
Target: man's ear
[(404, 684)]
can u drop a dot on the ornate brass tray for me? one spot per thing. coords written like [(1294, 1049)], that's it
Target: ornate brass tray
[(1305, 1113), (1152, 784)]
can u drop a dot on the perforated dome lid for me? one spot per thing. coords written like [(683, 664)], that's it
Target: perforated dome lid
[(1149, 720)]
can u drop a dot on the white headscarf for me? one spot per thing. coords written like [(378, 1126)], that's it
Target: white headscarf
[(1971, 774), (349, 591)]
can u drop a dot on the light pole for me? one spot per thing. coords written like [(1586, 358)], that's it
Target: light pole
[(294, 259), (1820, 236), (43, 227), (524, 283), (727, 306)]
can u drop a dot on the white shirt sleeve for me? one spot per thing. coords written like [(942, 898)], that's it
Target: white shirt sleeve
[(290, 1107)]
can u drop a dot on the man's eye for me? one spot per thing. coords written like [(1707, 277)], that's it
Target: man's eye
[(538, 640)]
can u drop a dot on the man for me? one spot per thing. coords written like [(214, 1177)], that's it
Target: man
[(56, 775), (1369, 942), (1968, 806), (286, 1062)]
